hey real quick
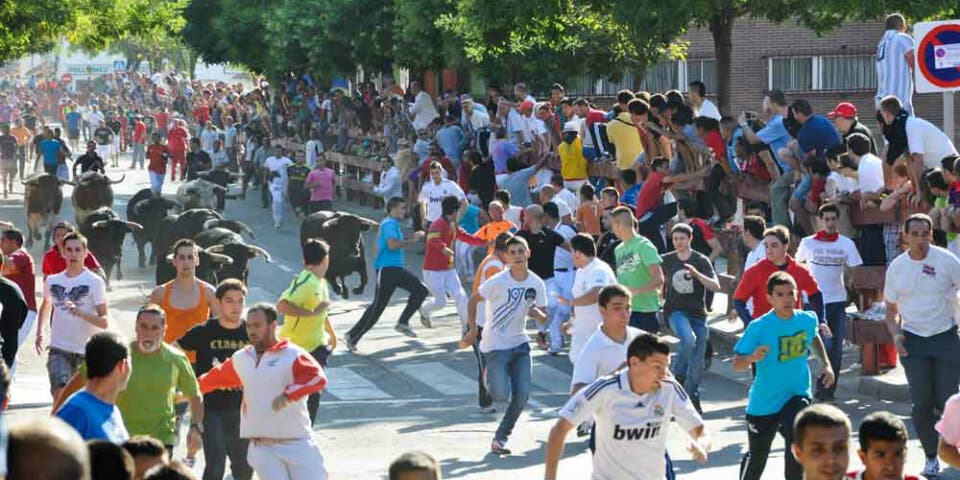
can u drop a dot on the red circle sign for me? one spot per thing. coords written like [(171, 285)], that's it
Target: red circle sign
[(66, 78), (934, 45)]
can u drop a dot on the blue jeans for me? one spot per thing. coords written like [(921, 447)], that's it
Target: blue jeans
[(837, 321), (646, 321), (509, 379), (688, 362)]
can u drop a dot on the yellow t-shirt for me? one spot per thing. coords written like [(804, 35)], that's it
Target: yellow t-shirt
[(624, 135), (306, 291), (572, 164)]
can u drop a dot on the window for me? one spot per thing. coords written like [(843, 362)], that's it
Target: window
[(704, 70), (662, 77), (834, 72), (791, 73), (850, 72)]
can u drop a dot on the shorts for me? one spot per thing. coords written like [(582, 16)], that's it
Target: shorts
[(103, 151), (9, 167), (61, 366), (73, 134)]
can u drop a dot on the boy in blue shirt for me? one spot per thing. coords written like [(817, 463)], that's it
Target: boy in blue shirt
[(93, 412), (779, 344)]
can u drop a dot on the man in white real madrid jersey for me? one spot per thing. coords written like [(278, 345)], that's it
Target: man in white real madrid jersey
[(632, 409)]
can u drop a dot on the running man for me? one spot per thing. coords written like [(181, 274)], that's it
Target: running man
[(276, 376), (822, 444), (391, 274), (632, 409), (509, 296)]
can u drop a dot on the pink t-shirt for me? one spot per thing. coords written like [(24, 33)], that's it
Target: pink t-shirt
[(321, 184), (949, 424)]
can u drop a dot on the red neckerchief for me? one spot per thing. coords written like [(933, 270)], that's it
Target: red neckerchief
[(826, 237)]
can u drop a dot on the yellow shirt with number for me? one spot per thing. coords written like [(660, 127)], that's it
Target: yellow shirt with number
[(306, 291)]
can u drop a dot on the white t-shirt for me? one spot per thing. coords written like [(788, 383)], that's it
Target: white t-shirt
[(432, 194), (925, 291), (826, 261), (507, 303), (925, 138), (313, 149), (843, 183), (631, 429), (709, 109), (572, 200), (95, 119), (870, 173), (600, 356), (86, 290), (513, 214), (562, 258), (279, 165), (587, 318), (562, 207)]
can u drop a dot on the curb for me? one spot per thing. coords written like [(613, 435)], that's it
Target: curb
[(724, 337)]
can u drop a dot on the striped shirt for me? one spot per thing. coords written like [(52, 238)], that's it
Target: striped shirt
[(893, 72)]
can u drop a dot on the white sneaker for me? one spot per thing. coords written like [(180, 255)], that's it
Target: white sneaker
[(425, 319), (931, 468)]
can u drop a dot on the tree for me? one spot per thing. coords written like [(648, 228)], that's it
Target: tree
[(675, 17), (418, 42)]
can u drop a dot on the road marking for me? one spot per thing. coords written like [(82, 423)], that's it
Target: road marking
[(550, 379), (345, 384), (440, 377), (285, 268)]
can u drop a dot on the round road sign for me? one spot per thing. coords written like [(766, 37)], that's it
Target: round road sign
[(932, 47)]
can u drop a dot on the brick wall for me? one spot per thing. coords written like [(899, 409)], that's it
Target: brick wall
[(755, 41)]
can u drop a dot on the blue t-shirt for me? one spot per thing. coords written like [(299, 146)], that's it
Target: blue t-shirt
[(630, 195), (73, 120), (501, 151), (470, 221), (775, 135), (93, 418), (518, 184), (817, 135), (50, 148), (784, 372), (390, 228)]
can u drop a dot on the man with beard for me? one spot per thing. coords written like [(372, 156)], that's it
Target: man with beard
[(159, 372)]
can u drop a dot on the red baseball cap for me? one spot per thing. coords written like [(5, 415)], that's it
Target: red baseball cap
[(843, 109), (526, 105)]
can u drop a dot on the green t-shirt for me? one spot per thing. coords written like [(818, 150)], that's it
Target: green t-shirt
[(147, 403), (633, 261), (306, 291)]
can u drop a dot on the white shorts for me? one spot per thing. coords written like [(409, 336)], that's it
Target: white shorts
[(287, 460), (103, 151)]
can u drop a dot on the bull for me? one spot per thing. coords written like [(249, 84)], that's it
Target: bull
[(148, 210), (106, 231), (231, 244), (223, 178), (92, 191), (199, 194), (342, 232), (42, 199)]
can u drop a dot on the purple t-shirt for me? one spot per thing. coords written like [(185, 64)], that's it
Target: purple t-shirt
[(501, 150)]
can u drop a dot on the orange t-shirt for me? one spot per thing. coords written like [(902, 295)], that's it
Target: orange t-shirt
[(490, 230), (588, 217), (179, 320), (490, 266)]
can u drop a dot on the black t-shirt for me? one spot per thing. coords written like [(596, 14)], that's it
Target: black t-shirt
[(213, 345), (90, 161), (197, 162), (606, 247), (8, 148), (30, 121), (102, 135), (543, 246), (11, 319), (115, 125), (682, 292)]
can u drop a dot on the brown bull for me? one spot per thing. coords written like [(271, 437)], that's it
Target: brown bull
[(42, 199), (92, 191)]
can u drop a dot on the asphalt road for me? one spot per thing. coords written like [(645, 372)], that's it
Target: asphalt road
[(398, 394)]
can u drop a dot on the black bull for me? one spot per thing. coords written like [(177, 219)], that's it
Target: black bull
[(342, 232)]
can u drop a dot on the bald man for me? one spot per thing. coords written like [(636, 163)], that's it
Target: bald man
[(46, 448)]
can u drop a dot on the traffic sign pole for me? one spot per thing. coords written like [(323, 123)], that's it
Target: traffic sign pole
[(948, 114)]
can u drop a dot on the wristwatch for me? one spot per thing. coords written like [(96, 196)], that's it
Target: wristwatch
[(198, 426)]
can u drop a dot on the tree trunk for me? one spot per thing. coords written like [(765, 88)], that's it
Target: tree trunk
[(638, 75), (721, 26)]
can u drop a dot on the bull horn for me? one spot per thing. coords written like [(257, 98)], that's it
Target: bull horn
[(169, 257), (259, 251), (224, 259), (68, 182), (216, 249), (201, 173), (116, 181), (220, 188), (134, 225), (99, 224), (209, 223), (245, 228), (368, 222)]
